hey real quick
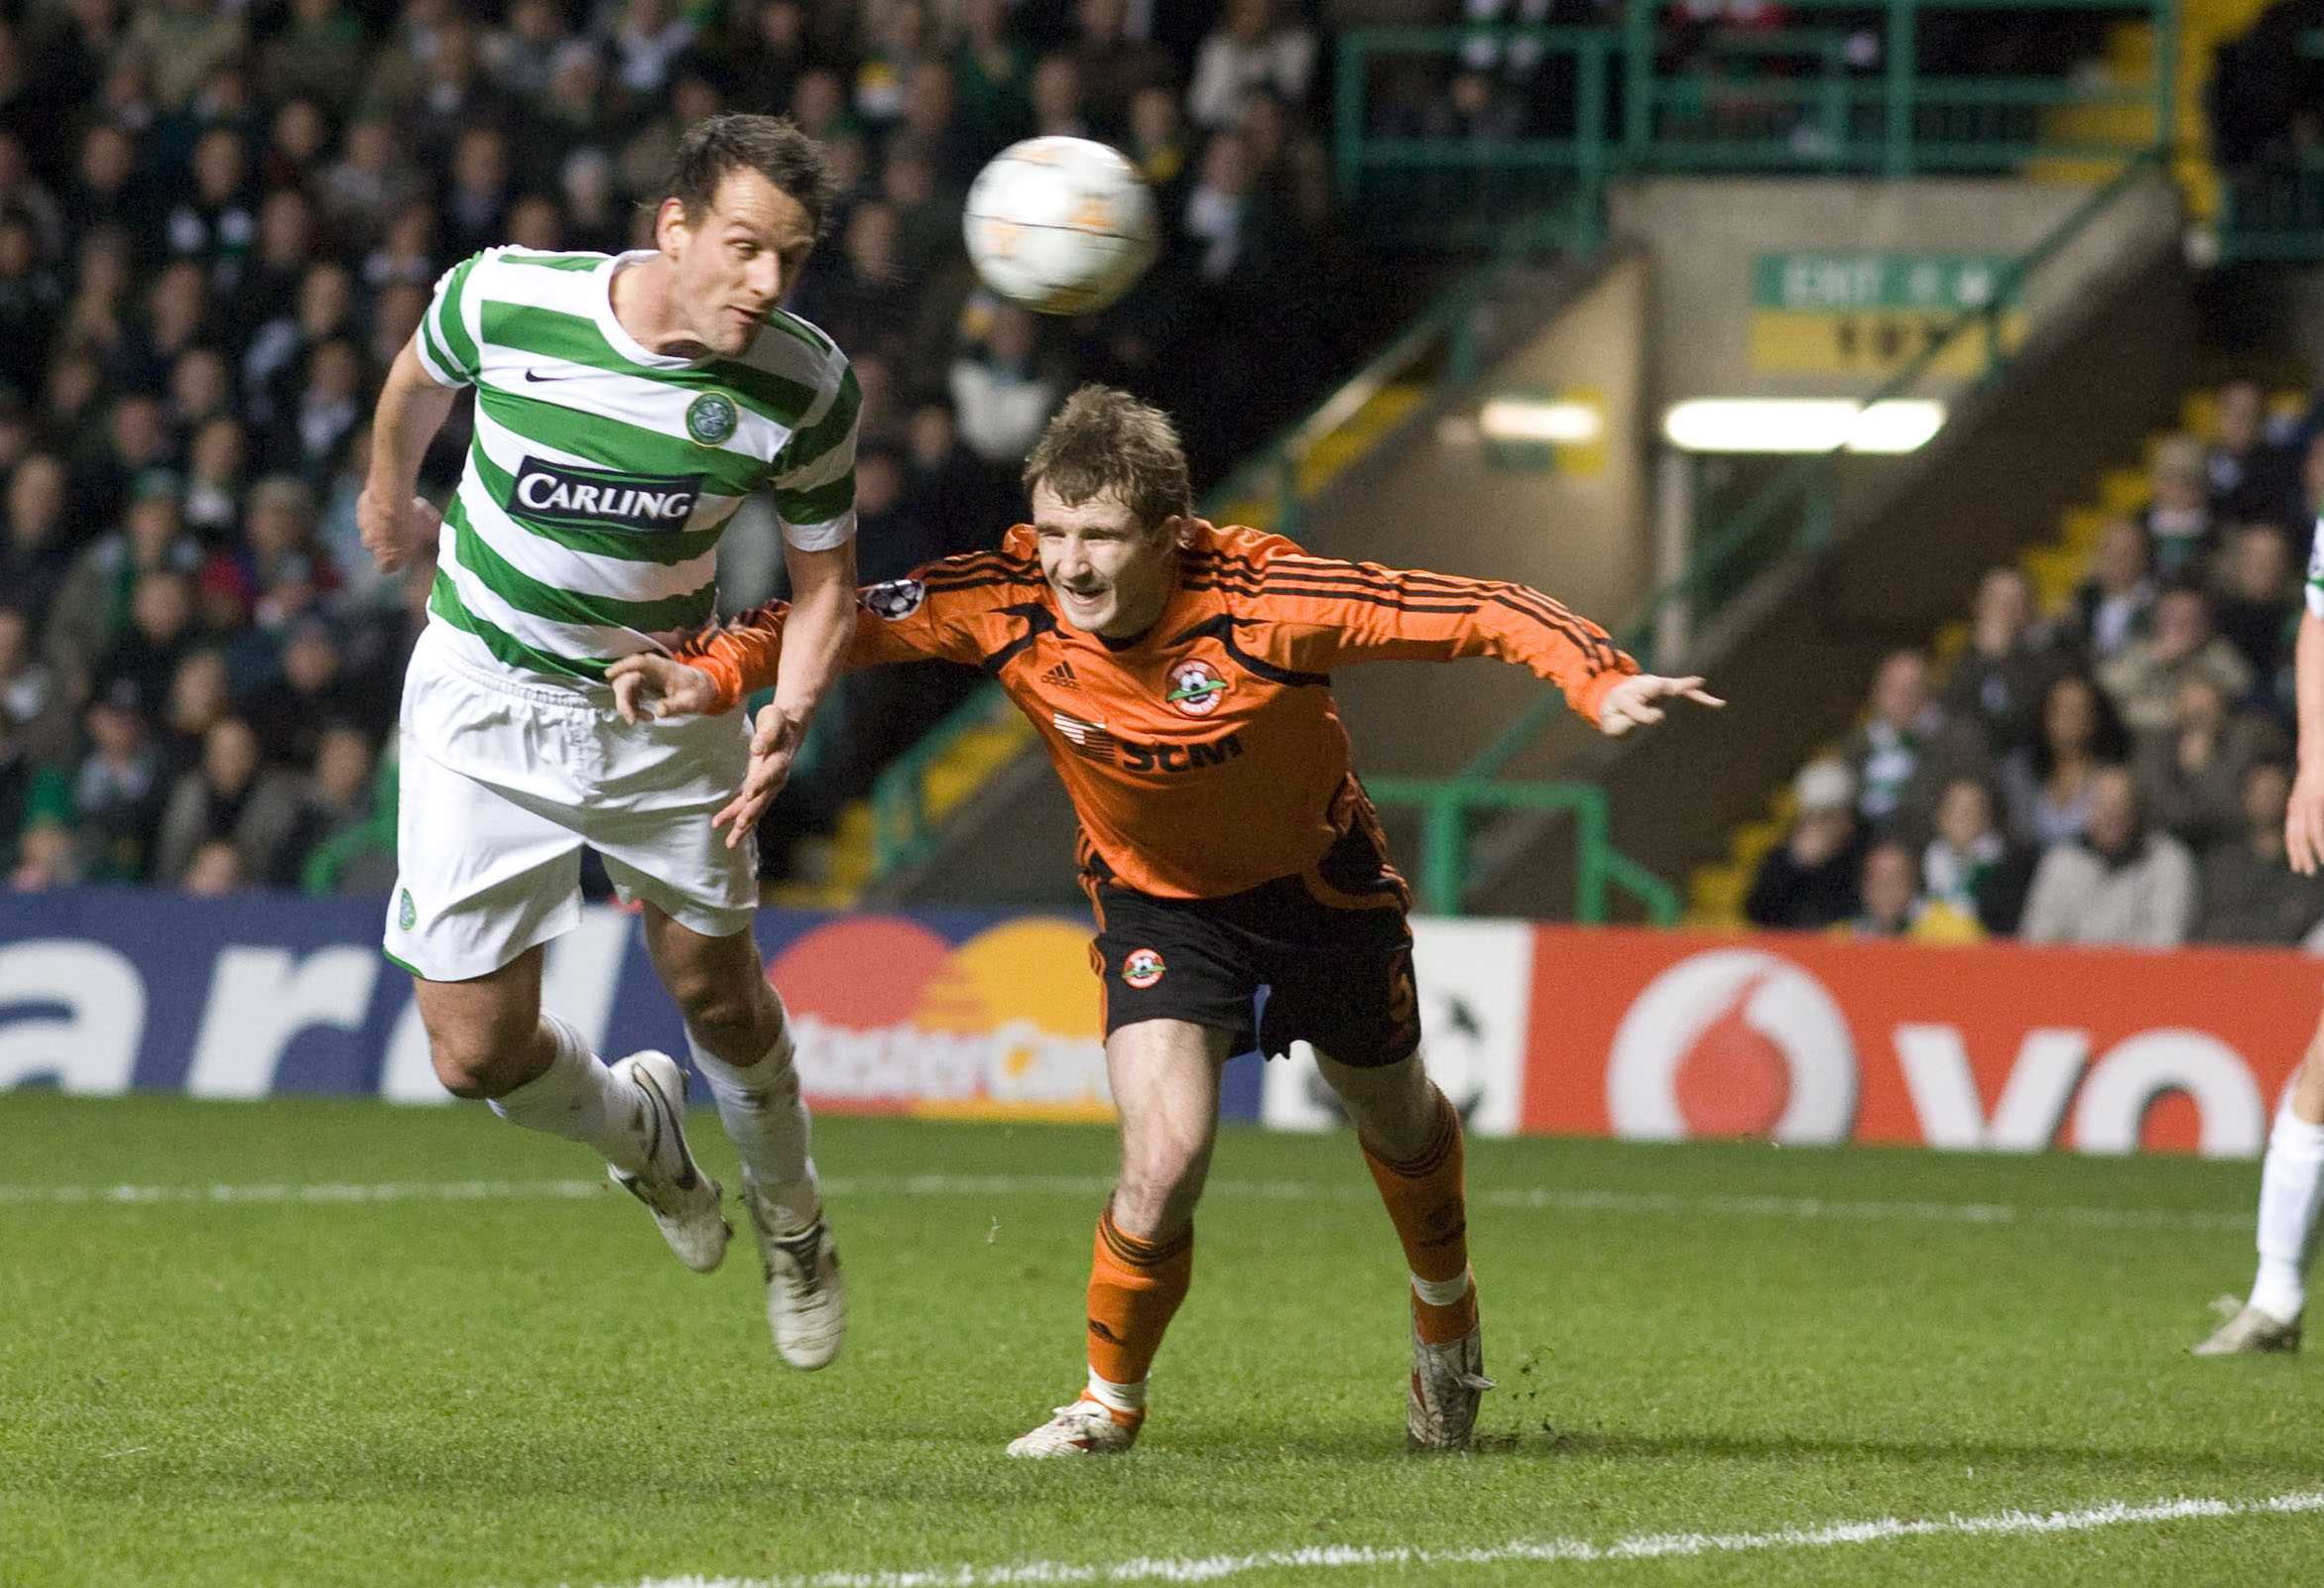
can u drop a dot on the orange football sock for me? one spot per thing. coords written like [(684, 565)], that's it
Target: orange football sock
[(1429, 1206), (1135, 1287)]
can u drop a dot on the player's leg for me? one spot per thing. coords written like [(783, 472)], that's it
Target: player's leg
[(741, 1043), (489, 1037), (2291, 1189), (1410, 1136), (1164, 1076)]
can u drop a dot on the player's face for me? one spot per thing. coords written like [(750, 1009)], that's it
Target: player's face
[(733, 263), (1112, 575)]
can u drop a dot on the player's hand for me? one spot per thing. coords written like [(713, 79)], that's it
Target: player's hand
[(648, 685), (1631, 703), (395, 526), (2303, 822), (774, 746)]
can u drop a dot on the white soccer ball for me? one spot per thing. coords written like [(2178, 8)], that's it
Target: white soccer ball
[(1062, 225)]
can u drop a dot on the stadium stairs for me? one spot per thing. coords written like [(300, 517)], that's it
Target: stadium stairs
[(2054, 567), (1792, 652), (2129, 62)]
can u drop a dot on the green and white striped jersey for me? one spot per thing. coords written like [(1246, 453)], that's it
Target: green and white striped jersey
[(586, 523)]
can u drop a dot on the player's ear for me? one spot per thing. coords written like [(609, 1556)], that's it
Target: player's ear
[(670, 224), (1178, 530)]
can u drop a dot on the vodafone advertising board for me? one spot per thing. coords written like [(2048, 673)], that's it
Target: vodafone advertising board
[(1999, 1047)]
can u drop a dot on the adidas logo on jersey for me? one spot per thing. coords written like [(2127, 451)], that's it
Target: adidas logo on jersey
[(1063, 676)]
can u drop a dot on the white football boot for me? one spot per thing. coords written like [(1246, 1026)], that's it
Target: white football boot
[(1448, 1379), (1084, 1428), (683, 1199), (2247, 1331), (806, 1295)]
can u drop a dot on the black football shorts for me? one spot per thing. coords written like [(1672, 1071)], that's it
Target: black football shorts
[(1338, 978)]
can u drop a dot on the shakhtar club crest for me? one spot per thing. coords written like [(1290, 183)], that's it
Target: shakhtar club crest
[(1195, 689)]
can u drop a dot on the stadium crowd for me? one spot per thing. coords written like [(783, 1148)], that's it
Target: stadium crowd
[(219, 221), (2112, 772)]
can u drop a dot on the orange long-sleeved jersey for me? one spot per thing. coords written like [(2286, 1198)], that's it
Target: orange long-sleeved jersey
[(1206, 756)]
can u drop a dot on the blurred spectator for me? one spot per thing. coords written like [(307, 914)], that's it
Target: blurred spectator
[(522, 54), (214, 466), (1973, 867), (106, 191), (1999, 682), (2251, 894), (1059, 105), (31, 299), (2179, 519), (2257, 607), (372, 179), (1811, 879), (91, 613), (214, 225), (200, 699), (315, 54), (1257, 43), (232, 796), (2121, 883), (46, 856), (2252, 479), (1888, 893), (766, 51), (182, 42), (2111, 606), (118, 791), (337, 800), (1908, 750), (1001, 392), (477, 201), (313, 689), (35, 560), (961, 502), (2143, 677), (2045, 789), (1114, 65), (36, 719), (993, 74), (216, 868), (2191, 777), (32, 793)]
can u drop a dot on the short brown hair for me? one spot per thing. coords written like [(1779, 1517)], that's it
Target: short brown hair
[(1105, 440), (772, 146)]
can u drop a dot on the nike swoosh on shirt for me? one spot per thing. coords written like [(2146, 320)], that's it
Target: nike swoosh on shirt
[(536, 375)]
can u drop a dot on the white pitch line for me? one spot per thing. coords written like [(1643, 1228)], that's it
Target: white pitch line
[(1638, 1546), (1576, 1200)]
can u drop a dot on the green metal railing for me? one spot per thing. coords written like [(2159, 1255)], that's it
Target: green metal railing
[(2274, 214), (1786, 101), (1444, 805)]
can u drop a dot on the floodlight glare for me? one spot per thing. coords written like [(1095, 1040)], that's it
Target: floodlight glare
[(1801, 425), (1521, 418)]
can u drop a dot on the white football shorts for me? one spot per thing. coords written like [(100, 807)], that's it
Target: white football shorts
[(503, 780)]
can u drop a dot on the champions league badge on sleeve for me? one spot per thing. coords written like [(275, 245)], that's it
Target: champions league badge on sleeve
[(897, 599)]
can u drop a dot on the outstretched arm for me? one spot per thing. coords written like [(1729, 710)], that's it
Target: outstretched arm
[(1330, 613), (2303, 816)]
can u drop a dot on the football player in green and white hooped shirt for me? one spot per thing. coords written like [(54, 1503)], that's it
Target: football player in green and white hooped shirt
[(2292, 1175), (625, 407)]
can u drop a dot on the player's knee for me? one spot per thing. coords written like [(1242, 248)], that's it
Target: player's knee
[(726, 1016), (482, 1060)]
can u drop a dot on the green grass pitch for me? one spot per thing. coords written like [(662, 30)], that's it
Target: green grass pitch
[(515, 1385)]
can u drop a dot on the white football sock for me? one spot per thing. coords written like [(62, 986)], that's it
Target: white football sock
[(581, 1100), (2292, 1184), (761, 1109)]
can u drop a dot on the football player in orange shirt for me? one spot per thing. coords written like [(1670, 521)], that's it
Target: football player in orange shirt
[(1179, 676)]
